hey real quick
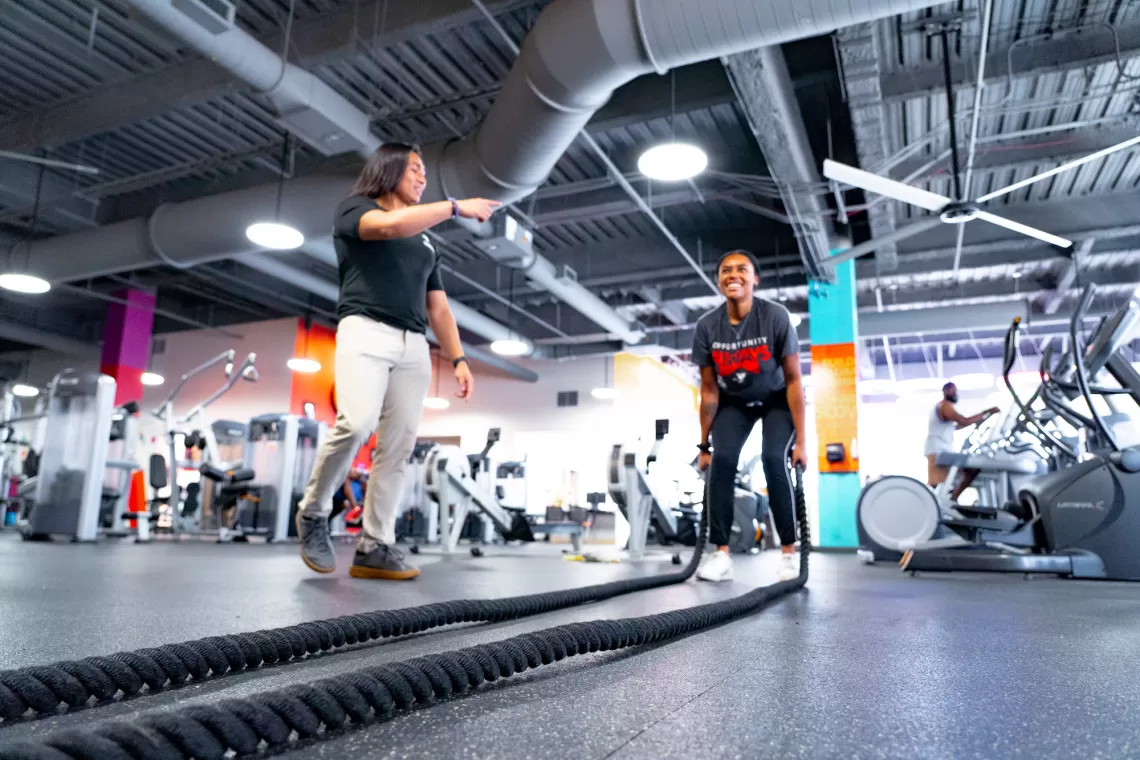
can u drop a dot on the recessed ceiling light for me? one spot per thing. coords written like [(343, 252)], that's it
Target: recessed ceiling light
[(152, 378), (304, 366), (25, 391), (435, 402), (24, 283), (510, 347), (279, 237), (672, 161)]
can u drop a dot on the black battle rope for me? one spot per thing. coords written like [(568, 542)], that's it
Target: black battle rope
[(318, 710), (74, 683)]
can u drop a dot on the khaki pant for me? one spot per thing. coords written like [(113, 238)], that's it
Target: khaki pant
[(382, 377)]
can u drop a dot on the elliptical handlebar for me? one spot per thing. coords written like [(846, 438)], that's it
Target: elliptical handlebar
[(1081, 371), (1027, 413), (225, 356)]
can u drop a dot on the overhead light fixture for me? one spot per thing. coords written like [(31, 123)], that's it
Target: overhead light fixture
[(304, 366), (25, 391), (796, 319), (973, 381), (1016, 275), (604, 393), (275, 235), (24, 283), (672, 161), (152, 378), (435, 402), (510, 347)]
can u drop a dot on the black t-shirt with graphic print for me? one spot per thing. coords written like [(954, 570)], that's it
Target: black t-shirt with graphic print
[(383, 280), (748, 357)]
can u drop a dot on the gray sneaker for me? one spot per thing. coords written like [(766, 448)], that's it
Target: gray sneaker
[(316, 543), (383, 563)]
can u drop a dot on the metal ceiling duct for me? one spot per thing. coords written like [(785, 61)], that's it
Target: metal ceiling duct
[(465, 316), (579, 52)]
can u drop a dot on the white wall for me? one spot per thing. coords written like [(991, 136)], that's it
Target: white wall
[(272, 341), (558, 441)]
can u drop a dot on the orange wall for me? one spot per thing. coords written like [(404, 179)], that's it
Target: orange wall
[(319, 386), (833, 372)]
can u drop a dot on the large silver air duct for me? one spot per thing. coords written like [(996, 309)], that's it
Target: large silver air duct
[(579, 52)]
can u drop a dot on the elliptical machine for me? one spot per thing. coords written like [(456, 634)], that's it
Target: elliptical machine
[(1085, 518)]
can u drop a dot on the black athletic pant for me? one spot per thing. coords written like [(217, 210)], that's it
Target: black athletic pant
[(730, 429)]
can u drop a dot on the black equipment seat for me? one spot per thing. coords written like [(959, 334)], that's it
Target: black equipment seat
[(1127, 460), (218, 475), (968, 523), (157, 472), (990, 464), (977, 511)]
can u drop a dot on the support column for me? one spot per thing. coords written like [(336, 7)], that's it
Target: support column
[(126, 342), (833, 326)]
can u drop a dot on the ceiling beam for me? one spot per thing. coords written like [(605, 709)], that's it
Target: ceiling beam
[(18, 181), (1031, 150), (316, 41), (862, 62), (1031, 57), (764, 88)]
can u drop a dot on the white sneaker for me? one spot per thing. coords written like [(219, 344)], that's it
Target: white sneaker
[(789, 567), (716, 567)]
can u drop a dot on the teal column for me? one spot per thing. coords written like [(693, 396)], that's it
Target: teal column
[(834, 330)]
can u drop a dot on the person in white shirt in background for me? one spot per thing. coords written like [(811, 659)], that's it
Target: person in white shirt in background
[(945, 420)]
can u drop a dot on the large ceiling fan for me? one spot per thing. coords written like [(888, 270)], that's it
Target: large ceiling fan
[(958, 210)]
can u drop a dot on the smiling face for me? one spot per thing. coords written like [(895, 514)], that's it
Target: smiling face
[(413, 182), (737, 277)]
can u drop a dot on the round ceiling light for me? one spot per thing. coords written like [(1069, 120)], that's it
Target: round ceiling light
[(24, 283), (152, 378), (435, 402), (510, 347), (304, 366), (672, 161), (795, 319), (25, 391), (279, 237)]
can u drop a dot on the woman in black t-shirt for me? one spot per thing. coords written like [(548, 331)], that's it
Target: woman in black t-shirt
[(749, 359), (390, 293)]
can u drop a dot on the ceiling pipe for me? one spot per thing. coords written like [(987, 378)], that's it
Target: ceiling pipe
[(61, 344), (579, 52), (465, 316)]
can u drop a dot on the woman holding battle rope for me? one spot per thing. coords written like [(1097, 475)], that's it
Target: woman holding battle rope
[(749, 359)]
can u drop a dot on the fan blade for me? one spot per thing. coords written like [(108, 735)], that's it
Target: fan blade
[(849, 175), (1062, 168), (893, 237), (1009, 224)]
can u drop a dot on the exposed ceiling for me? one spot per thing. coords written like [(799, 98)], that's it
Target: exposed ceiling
[(90, 82)]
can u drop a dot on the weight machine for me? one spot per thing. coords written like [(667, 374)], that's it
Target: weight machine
[(196, 433), (638, 498), (462, 485)]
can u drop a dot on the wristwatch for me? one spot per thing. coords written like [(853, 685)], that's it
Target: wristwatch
[(454, 208), (456, 360)]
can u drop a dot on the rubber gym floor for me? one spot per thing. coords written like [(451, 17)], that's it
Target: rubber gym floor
[(866, 663)]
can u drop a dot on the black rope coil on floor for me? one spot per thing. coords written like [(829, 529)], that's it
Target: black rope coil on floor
[(304, 712), (75, 683)]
